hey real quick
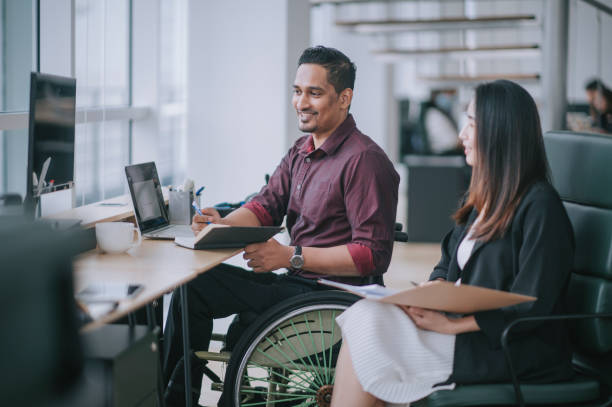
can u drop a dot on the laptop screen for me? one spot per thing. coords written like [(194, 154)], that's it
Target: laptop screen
[(147, 196)]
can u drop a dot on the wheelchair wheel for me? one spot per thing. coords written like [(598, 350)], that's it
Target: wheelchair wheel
[(287, 357)]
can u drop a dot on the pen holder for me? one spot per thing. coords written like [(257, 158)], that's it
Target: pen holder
[(180, 208)]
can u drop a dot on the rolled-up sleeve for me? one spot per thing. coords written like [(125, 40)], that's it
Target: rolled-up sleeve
[(371, 190)]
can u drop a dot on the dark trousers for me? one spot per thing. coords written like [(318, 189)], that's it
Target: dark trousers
[(218, 293)]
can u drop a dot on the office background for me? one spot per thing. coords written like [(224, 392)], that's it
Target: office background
[(204, 87)]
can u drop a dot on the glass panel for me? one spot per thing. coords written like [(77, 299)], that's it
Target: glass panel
[(102, 52), (16, 49), (173, 57), (102, 152), (102, 71), (13, 166)]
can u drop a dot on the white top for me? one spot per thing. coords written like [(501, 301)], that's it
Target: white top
[(466, 246)]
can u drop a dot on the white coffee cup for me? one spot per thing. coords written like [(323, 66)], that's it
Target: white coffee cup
[(117, 237)]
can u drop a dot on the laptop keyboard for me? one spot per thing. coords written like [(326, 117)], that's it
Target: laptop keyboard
[(171, 232)]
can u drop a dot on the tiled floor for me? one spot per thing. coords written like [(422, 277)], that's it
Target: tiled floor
[(410, 262)]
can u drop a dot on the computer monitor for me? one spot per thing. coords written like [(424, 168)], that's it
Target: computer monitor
[(51, 134)]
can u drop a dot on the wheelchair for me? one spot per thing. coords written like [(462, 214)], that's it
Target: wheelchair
[(287, 355)]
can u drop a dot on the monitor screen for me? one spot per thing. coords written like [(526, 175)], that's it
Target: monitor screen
[(51, 131)]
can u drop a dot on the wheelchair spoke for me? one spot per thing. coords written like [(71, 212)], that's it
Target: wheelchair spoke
[(263, 379), (295, 352), (275, 346), (302, 396), (331, 345), (319, 379), (325, 371), (313, 342), (261, 403)]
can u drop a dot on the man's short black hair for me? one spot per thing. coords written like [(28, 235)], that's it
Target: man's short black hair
[(340, 69), (594, 84)]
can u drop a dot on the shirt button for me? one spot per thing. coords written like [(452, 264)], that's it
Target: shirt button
[(299, 186), (308, 160)]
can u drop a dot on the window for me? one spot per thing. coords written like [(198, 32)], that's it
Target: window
[(173, 91), (16, 54), (102, 73), (129, 59)]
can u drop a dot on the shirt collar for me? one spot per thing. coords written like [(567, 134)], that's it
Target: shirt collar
[(334, 141)]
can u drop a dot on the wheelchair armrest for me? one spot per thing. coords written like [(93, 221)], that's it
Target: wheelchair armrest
[(400, 236), (506, 350)]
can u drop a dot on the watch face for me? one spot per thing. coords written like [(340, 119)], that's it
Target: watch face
[(297, 261)]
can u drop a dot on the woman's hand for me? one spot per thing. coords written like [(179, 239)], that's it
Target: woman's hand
[(430, 320), (439, 322)]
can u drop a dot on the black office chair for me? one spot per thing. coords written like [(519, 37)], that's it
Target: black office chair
[(41, 357), (581, 170)]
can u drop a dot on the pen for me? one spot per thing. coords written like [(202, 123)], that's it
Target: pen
[(199, 191), (197, 208), (414, 283)]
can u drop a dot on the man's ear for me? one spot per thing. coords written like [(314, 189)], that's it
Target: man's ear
[(345, 97)]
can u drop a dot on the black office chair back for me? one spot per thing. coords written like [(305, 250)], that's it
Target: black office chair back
[(582, 173), (39, 345)]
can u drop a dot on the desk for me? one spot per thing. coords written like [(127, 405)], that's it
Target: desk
[(110, 210), (160, 266)]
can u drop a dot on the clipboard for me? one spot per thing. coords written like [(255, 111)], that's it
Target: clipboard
[(217, 236), (439, 295)]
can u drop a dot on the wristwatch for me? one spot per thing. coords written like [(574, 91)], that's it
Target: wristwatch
[(297, 260)]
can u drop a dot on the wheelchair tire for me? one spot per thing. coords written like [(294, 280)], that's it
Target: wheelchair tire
[(288, 355)]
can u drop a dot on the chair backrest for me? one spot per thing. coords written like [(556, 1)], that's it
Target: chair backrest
[(40, 349), (582, 174)]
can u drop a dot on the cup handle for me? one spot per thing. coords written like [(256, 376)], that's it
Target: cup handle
[(137, 229)]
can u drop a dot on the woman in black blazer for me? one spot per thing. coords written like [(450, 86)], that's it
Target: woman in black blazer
[(512, 233)]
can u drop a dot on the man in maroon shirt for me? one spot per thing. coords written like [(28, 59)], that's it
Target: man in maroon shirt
[(338, 191)]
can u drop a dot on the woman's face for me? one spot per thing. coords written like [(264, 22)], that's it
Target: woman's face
[(468, 135)]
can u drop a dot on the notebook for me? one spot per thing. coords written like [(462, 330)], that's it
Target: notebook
[(216, 236)]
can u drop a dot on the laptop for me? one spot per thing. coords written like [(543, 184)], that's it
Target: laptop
[(149, 207)]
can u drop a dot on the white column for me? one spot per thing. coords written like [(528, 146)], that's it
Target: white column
[(554, 66)]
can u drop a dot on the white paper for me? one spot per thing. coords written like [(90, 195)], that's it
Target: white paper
[(104, 292), (188, 242), (372, 291)]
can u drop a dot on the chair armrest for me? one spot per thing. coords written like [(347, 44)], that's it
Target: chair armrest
[(506, 350)]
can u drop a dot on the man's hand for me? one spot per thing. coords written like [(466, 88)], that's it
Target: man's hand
[(430, 320), (199, 222), (268, 256)]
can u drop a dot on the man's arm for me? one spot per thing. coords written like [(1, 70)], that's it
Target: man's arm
[(271, 255), (239, 217)]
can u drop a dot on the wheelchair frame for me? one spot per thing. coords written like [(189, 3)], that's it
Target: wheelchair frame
[(295, 370)]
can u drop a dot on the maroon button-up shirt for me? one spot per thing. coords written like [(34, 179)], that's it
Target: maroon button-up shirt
[(344, 192)]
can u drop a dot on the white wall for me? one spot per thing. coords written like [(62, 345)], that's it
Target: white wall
[(589, 53), (370, 104), (240, 81)]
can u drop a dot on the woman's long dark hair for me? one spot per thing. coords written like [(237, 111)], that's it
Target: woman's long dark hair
[(510, 157)]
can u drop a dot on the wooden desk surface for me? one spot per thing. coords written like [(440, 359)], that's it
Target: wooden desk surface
[(110, 210), (159, 265)]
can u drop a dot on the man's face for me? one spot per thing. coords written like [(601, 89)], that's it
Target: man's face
[(319, 108), (590, 94), (600, 103)]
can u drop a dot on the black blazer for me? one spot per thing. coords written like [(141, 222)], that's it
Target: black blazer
[(534, 257)]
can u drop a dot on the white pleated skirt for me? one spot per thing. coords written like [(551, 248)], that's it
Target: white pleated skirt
[(394, 360)]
